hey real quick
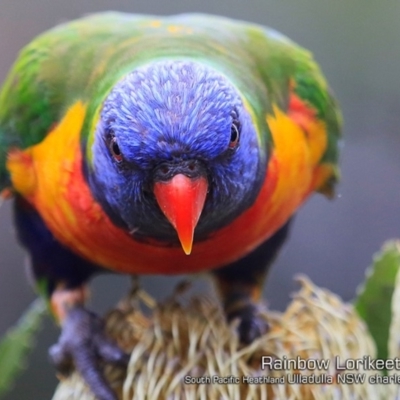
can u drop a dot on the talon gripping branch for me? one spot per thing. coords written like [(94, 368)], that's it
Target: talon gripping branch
[(160, 146)]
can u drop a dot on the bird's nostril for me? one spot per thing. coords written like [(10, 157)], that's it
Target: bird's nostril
[(164, 169)]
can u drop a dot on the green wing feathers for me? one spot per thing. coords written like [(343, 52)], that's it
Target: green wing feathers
[(288, 64), (311, 87)]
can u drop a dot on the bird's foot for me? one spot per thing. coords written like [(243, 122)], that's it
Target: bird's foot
[(252, 324), (83, 345)]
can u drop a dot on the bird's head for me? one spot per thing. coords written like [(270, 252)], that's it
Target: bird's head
[(175, 154)]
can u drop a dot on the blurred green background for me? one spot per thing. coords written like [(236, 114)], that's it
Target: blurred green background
[(357, 44)]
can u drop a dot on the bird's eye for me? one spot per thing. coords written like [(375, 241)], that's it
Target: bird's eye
[(115, 150), (234, 140)]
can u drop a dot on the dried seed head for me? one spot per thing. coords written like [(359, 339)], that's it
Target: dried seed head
[(193, 340)]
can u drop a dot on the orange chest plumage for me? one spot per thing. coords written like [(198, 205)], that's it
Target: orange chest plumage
[(50, 176)]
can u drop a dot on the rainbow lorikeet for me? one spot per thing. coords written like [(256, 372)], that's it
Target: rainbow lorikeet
[(147, 145)]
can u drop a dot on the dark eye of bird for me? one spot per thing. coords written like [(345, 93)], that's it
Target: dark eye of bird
[(115, 150), (234, 135)]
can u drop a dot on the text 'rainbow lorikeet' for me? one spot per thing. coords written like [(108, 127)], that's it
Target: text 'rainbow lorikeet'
[(147, 145)]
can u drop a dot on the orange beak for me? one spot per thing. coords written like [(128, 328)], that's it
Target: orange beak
[(181, 199)]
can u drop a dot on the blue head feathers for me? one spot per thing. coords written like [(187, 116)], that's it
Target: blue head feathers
[(171, 117)]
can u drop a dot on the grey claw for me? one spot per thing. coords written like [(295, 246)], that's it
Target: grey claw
[(82, 345), (252, 325)]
